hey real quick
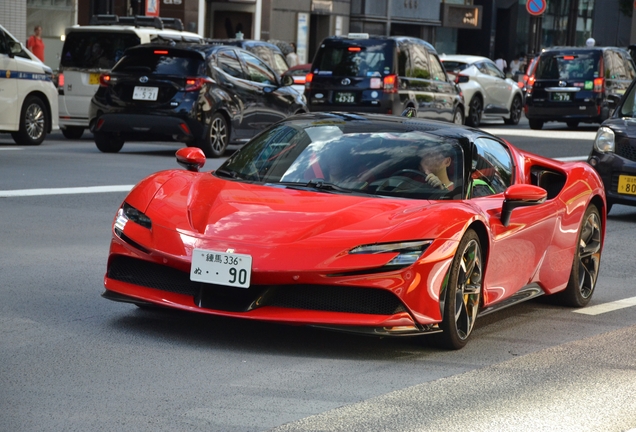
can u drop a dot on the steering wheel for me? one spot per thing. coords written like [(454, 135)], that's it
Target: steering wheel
[(405, 179), (410, 171)]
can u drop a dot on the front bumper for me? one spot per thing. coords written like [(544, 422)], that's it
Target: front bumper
[(610, 167)]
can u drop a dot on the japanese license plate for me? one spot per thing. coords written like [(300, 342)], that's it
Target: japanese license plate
[(345, 97), (93, 78), (221, 268), (145, 93), (627, 185), (561, 97)]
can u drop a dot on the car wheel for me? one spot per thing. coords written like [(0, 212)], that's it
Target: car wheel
[(108, 143), (462, 294), (458, 116), (515, 112), (572, 124), (587, 258), (34, 122), (475, 110), (535, 124), (73, 132), (217, 137)]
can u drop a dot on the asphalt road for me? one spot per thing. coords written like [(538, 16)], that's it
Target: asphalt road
[(72, 361)]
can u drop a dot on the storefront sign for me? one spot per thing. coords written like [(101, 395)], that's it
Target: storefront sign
[(321, 6), (460, 16)]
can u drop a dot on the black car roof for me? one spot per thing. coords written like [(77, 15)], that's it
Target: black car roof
[(380, 38), (203, 49)]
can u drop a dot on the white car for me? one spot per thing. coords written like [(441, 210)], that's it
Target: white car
[(487, 91), (28, 98), (94, 49)]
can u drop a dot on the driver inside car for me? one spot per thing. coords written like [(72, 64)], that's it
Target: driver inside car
[(434, 163)]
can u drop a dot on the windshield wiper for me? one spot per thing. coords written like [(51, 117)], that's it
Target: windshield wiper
[(316, 184), (227, 173)]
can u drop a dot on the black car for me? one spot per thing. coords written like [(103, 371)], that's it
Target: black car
[(204, 95), (385, 75), (266, 51), (614, 152), (574, 85)]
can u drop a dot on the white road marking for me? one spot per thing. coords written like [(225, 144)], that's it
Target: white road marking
[(64, 191), (551, 134), (10, 148), (607, 307)]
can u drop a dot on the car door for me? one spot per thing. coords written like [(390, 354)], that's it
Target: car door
[(516, 251), (417, 84), (240, 92), (9, 103), (497, 89), (445, 91), (270, 104)]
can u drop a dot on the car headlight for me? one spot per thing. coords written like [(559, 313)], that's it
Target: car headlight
[(129, 213), (408, 252), (605, 140)]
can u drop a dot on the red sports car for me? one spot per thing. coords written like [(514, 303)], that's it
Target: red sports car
[(365, 223)]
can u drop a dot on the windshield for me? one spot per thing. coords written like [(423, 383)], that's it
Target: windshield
[(360, 58), (95, 50), (348, 158), (159, 64), (568, 67)]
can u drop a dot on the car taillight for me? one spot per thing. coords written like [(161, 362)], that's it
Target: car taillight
[(60, 80), (530, 84), (390, 84), (599, 84), (299, 79), (195, 84), (308, 79), (104, 79), (461, 79)]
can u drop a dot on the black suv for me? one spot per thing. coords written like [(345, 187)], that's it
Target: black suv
[(576, 85), (203, 95), (382, 75)]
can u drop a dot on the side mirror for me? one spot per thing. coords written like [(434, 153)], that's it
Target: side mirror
[(191, 158), (521, 196), (287, 80)]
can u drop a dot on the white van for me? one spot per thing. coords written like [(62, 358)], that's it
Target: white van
[(28, 98), (92, 50)]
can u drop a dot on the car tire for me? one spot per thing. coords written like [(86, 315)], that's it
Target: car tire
[(458, 116), (572, 124), (535, 124), (515, 112), (34, 122), (73, 132), (475, 111), (587, 258), (108, 143), (462, 294), (216, 137)]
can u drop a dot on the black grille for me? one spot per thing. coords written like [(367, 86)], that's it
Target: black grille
[(309, 297), (626, 147)]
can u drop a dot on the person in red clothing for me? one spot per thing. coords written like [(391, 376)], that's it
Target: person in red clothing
[(35, 44)]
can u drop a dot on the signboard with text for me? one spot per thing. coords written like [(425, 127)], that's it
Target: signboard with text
[(461, 16)]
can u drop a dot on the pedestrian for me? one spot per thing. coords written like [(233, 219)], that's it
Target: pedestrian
[(516, 65), (292, 57), (35, 44), (501, 63)]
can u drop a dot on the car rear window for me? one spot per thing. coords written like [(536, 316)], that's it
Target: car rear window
[(454, 66), (362, 58), (161, 64), (95, 50), (567, 66)]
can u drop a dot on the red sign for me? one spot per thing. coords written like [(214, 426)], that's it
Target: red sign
[(152, 8), (536, 7)]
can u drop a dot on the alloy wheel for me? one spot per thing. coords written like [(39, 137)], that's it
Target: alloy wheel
[(589, 256), (468, 289), (34, 121)]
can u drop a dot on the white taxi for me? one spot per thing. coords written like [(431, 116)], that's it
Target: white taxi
[(28, 97)]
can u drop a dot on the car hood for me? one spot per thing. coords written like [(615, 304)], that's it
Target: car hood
[(211, 208), (622, 125)]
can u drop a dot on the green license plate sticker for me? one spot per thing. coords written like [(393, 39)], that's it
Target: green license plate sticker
[(589, 85)]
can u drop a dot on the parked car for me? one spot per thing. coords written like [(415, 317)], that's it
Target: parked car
[(91, 50), (204, 95), (385, 75), (298, 73), (28, 98), (266, 51), (331, 220), (574, 85), (613, 154), (489, 94)]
